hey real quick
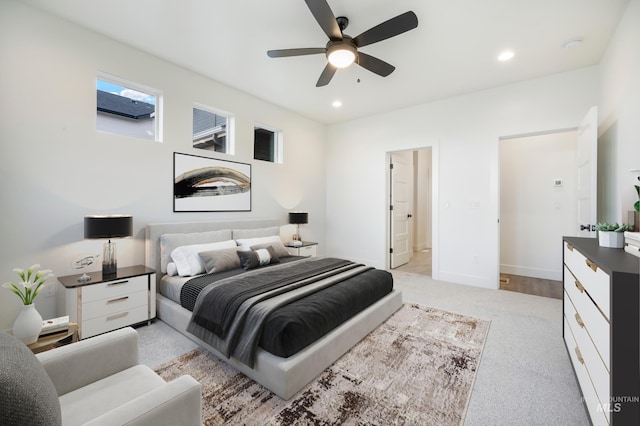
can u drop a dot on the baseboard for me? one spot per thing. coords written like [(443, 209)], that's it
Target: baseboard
[(524, 271)]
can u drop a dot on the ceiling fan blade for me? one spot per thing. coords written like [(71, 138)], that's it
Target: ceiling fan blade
[(324, 15), (326, 76), (283, 53), (394, 26), (375, 65)]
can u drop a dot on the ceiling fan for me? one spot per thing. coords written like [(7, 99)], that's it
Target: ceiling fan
[(342, 49)]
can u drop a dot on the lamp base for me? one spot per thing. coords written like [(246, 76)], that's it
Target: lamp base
[(109, 269), (109, 263)]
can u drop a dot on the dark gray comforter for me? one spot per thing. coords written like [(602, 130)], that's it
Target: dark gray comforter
[(229, 314)]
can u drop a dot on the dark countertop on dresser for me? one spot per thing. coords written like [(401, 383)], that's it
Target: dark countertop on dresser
[(610, 260)]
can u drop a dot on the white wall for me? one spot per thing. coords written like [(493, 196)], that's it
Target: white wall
[(619, 125), (55, 168), (534, 212), (465, 131)]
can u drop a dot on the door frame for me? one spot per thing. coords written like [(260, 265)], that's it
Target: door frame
[(499, 175), (435, 205)]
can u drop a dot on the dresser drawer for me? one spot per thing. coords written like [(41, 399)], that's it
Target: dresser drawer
[(598, 417), (594, 280), (113, 321), (115, 288), (106, 307), (594, 321), (598, 373)]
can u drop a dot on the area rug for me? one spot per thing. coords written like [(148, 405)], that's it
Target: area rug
[(418, 368)]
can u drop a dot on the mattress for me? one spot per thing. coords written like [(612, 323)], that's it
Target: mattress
[(294, 326)]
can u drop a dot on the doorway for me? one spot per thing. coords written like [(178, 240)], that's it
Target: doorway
[(410, 211), (538, 206)]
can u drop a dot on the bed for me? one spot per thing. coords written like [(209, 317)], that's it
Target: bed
[(283, 375)]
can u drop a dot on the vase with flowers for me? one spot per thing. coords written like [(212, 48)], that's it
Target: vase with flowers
[(28, 324)]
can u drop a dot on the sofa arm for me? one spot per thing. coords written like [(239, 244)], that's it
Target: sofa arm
[(177, 403), (78, 364)]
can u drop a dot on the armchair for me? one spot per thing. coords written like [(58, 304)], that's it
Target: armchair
[(97, 381)]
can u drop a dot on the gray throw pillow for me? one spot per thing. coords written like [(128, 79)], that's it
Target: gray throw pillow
[(27, 394), (261, 257), (279, 248), (220, 260)]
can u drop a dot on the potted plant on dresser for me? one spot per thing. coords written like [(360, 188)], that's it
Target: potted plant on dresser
[(611, 235)]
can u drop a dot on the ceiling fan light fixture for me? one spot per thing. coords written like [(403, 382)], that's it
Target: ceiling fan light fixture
[(342, 55)]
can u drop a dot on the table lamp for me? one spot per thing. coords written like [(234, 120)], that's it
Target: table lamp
[(298, 218), (108, 227)]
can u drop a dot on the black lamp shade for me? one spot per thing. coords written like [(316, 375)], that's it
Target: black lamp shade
[(298, 217), (108, 226)]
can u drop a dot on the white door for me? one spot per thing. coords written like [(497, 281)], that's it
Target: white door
[(587, 174), (401, 175)]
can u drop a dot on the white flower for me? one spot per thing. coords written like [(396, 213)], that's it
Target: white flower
[(31, 283)]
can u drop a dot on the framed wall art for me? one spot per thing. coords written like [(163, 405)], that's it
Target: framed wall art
[(202, 184)]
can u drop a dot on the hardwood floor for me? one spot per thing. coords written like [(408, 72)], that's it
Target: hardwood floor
[(420, 263), (535, 286)]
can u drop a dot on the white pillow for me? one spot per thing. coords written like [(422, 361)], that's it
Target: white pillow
[(187, 260), (172, 271), (246, 243)]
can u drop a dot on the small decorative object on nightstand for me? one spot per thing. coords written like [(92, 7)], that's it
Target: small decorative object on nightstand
[(106, 303), (307, 248)]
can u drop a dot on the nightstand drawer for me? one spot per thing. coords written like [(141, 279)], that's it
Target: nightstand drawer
[(594, 280), (113, 321), (307, 249), (118, 303), (115, 288), (594, 321)]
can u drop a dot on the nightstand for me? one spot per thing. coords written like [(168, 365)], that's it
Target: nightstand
[(108, 303), (306, 249)]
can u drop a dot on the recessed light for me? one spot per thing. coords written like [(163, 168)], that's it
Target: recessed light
[(336, 104), (505, 56)]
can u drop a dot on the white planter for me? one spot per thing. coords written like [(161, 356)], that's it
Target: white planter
[(28, 324), (611, 239)]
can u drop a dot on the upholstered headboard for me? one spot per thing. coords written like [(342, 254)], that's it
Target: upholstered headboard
[(155, 230)]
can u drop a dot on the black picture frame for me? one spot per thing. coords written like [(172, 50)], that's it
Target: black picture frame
[(203, 184)]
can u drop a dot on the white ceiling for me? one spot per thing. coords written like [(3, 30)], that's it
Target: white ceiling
[(453, 50)]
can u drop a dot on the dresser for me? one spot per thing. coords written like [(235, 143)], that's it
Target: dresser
[(601, 328), (107, 303)]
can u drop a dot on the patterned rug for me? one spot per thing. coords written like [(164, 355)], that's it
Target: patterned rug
[(418, 368)]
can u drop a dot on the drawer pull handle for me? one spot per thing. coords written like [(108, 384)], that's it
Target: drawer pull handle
[(579, 355), (570, 247), (117, 283), (591, 265), (580, 287), (119, 299), (116, 316), (579, 320)]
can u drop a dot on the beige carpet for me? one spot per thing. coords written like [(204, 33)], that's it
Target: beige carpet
[(417, 368)]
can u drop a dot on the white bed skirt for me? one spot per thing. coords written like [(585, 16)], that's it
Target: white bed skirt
[(286, 376)]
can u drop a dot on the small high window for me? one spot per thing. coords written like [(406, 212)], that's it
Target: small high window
[(267, 144), (128, 109), (212, 130)]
